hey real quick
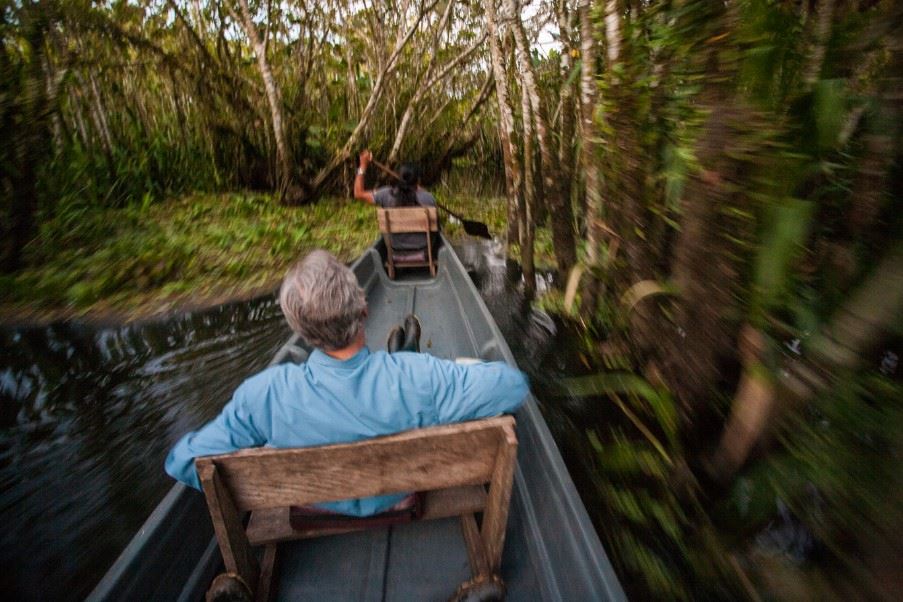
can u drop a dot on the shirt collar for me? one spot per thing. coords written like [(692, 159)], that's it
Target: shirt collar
[(320, 358)]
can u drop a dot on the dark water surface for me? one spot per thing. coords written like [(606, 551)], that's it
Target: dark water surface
[(88, 414)]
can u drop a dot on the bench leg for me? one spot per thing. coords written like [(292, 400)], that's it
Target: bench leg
[(265, 586), (237, 554), (495, 518), (476, 552)]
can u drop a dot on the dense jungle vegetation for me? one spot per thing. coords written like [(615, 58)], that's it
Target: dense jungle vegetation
[(717, 185)]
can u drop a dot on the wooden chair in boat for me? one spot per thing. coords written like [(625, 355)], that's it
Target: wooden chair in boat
[(451, 464), (400, 220)]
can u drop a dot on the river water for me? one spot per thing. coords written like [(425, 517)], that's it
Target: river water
[(87, 415)]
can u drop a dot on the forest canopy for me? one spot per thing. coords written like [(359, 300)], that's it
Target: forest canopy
[(111, 103), (720, 184)]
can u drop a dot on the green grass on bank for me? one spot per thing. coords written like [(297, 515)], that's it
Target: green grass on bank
[(147, 258), (194, 250)]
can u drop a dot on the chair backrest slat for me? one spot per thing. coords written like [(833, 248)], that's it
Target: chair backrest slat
[(407, 219), (423, 459)]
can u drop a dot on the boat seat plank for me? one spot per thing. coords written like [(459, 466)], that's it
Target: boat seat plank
[(436, 457), (407, 219), (272, 524)]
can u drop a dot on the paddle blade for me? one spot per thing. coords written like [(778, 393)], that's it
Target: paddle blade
[(477, 229)]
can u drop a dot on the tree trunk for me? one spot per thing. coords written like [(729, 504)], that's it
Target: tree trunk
[(426, 88), (31, 138), (375, 96), (528, 204), (626, 162), (453, 146), (706, 263), (562, 215), (506, 122), (820, 42), (612, 33), (52, 82), (566, 140), (274, 99), (588, 92), (98, 116), (414, 101), (703, 269)]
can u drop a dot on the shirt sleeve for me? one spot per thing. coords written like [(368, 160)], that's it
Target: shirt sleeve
[(233, 429), (382, 197), (468, 392), (426, 199)]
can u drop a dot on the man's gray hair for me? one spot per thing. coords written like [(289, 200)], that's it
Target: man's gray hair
[(322, 301)]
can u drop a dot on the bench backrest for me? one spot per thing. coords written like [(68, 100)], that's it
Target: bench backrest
[(423, 459), (408, 219), (441, 457)]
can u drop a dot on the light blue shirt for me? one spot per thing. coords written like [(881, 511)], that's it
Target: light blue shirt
[(326, 400)]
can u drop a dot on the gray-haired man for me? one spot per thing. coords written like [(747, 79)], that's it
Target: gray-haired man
[(344, 392)]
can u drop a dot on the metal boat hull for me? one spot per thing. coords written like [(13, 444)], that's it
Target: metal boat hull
[(552, 551)]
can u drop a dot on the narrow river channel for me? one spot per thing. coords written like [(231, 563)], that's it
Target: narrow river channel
[(87, 415)]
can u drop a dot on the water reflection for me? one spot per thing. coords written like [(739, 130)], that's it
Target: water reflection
[(87, 416)]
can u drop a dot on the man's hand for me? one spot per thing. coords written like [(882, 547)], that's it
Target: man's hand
[(364, 159)]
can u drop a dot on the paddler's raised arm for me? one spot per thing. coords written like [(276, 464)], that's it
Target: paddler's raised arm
[(359, 192)]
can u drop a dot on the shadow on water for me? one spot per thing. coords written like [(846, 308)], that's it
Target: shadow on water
[(87, 416)]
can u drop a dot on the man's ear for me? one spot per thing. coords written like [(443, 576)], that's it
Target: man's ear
[(366, 311)]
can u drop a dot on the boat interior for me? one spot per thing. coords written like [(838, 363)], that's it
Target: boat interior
[(551, 551), (445, 321), (424, 560)]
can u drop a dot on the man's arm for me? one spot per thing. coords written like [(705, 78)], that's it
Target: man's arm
[(359, 192), (468, 392), (233, 429)]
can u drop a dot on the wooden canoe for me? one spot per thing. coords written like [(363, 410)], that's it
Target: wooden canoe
[(552, 551)]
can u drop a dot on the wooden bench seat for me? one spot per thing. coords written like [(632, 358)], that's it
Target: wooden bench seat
[(272, 524), (401, 220), (452, 464)]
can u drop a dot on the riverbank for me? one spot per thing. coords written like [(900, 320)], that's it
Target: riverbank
[(142, 261)]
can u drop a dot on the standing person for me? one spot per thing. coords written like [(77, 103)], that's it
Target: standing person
[(344, 392), (405, 193)]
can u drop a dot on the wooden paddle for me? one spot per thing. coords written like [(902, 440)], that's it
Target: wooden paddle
[(471, 227)]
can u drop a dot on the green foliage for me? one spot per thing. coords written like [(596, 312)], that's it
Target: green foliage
[(657, 404), (189, 247), (766, 130), (782, 240), (138, 102), (835, 468), (652, 526)]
